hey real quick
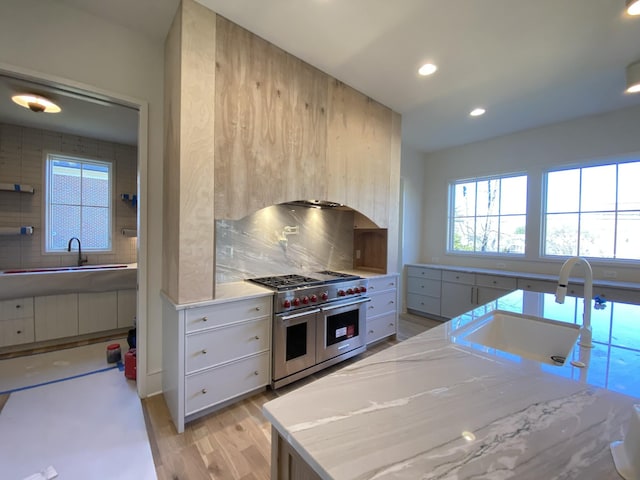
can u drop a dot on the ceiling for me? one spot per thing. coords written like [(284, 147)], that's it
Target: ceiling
[(528, 63)]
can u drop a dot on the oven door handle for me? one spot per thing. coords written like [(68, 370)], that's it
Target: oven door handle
[(286, 318), (349, 304)]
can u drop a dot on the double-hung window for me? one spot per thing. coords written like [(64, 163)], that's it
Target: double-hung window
[(78, 203), (593, 211), (488, 215)]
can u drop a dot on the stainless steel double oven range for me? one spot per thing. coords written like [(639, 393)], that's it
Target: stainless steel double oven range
[(319, 320)]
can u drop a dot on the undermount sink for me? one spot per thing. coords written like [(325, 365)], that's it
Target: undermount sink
[(64, 269), (535, 338)]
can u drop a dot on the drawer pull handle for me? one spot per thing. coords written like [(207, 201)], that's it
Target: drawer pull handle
[(391, 284), (19, 332), (371, 307), (204, 319), (256, 373), (494, 282), (257, 337), (204, 351), (370, 331), (391, 324), (204, 391), (391, 302), (18, 306), (257, 309)]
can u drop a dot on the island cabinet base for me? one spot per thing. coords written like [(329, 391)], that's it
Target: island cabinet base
[(286, 464)]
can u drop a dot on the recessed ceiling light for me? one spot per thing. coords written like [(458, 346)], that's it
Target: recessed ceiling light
[(476, 112), (427, 69), (36, 103), (633, 7), (633, 78)]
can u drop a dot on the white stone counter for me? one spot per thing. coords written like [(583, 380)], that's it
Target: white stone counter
[(228, 292), (428, 408), (61, 280)]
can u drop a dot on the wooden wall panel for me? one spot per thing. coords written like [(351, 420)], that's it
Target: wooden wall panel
[(196, 280), (171, 168), (270, 125), (393, 251), (358, 147)]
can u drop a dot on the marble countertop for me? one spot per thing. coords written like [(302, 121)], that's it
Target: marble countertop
[(431, 408)]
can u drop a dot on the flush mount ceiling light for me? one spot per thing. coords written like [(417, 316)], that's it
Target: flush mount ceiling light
[(633, 78), (36, 103), (633, 7), (427, 69), (476, 112)]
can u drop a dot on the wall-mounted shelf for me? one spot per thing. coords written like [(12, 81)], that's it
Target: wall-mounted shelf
[(25, 230), (16, 187), (131, 198)]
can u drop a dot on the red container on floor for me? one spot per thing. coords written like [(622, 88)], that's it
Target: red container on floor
[(130, 364)]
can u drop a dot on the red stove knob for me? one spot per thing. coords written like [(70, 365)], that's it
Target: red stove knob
[(324, 296), (363, 289), (286, 304), (356, 289), (341, 293), (314, 298), (305, 300), (350, 291), (296, 302)]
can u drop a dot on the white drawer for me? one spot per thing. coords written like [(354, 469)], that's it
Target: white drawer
[(378, 284), (423, 303), (381, 327), (201, 318), (422, 272), (16, 331), (424, 286), (209, 348), (617, 294), (496, 281), (458, 277), (544, 286), (382, 303), (16, 308), (210, 387)]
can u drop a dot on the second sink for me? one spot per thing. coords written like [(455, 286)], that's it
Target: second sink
[(535, 338)]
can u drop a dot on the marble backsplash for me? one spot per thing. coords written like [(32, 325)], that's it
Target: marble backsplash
[(284, 239)]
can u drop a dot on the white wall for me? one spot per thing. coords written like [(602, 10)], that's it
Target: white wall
[(412, 174), (59, 41), (609, 135)]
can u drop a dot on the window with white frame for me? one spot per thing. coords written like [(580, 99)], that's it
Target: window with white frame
[(78, 199), (593, 211), (488, 215)]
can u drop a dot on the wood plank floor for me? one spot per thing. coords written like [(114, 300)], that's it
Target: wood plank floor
[(233, 443)]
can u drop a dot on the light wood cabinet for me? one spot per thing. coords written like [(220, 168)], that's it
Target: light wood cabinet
[(97, 312), (16, 321), (359, 137), (56, 316), (382, 310), (270, 126), (213, 354)]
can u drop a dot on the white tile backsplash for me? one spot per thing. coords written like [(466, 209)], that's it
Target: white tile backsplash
[(21, 161)]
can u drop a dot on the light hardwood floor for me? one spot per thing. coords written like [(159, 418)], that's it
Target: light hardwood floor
[(235, 442)]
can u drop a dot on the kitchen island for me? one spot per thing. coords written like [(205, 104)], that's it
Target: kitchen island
[(432, 408)]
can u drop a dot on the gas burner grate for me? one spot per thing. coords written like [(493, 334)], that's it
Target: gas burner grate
[(286, 282)]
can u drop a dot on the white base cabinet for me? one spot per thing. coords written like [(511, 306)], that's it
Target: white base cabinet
[(56, 316), (16, 321), (424, 289), (214, 354), (382, 310), (52, 317)]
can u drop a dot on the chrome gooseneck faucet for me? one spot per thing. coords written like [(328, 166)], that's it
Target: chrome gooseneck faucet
[(561, 292), (80, 259)]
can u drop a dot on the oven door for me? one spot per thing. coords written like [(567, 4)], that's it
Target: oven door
[(294, 347), (341, 328)]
